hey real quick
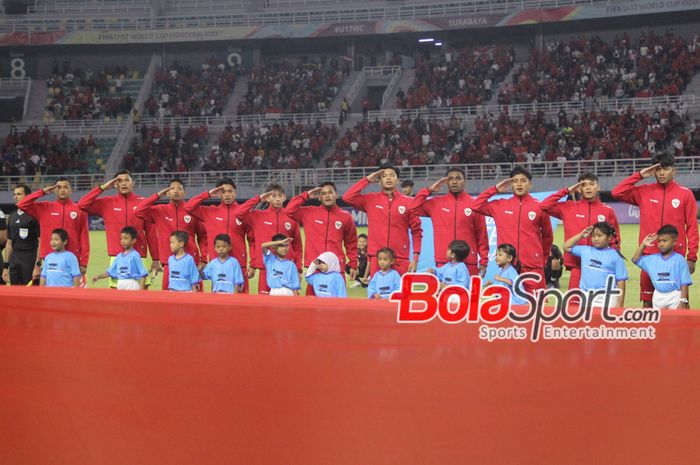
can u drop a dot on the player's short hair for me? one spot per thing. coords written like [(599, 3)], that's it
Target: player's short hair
[(388, 251), (329, 183), (520, 170), (669, 229), (27, 190), (130, 230), (127, 172), (588, 176), (362, 235), (63, 179), (457, 170), (223, 238), (279, 237), (276, 188), (460, 249), (408, 183), (181, 236), (61, 233), (176, 180), (664, 159), (389, 166), (225, 182)]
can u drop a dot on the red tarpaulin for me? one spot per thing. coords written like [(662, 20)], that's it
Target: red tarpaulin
[(106, 377)]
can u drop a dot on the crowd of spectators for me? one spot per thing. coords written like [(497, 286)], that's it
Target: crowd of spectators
[(286, 87), (287, 145), (184, 91), (86, 94), (590, 68), (164, 149), (595, 135), (459, 77), (37, 151)]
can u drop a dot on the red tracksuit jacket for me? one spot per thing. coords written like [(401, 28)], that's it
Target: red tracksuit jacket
[(329, 228), (57, 214), (222, 219), (171, 217), (453, 218), (663, 204), (519, 222), (118, 211), (266, 223), (389, 220), (577, 215)]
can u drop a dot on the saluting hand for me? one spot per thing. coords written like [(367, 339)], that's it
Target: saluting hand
[(575, 189), (314, 193), (49, 189), (265, 198), (649, 170), (109, 184), (215, 191), (437, 185), (504, 185), (376, 176)]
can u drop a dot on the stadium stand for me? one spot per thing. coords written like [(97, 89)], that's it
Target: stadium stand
[(167, 149), (182, 90)]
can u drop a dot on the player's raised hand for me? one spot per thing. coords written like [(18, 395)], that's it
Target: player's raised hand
[(649, 240), (109, 184), (504, 185), (576, 189), (162, 192), (314, 193), (649, 170), (437, 185), (49, 189), (216, 190), (265, 198), (376, 176)]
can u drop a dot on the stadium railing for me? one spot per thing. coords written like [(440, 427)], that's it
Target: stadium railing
[(221, 19), (297, 180)]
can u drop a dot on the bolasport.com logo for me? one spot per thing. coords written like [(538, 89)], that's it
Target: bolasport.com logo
[(545, 315)]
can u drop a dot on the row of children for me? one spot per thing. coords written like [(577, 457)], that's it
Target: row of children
[(668, 270)]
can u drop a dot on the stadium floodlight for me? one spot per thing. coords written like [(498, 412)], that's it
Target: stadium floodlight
[(425, 40), (438, 44)]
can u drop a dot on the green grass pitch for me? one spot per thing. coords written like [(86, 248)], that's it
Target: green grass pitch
[(99, 262)]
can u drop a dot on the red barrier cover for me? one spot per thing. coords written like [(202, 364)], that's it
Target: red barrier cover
[(103, 377)]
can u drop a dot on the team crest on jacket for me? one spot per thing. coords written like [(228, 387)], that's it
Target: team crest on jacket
[(601, 217), (468, 211), (531, 215), (402, 209), (238, 222), (73, 215), (187, 218), (675, 203), (287, 226), (338, 224)]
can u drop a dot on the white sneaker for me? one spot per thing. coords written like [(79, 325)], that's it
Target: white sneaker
[(356, 284)]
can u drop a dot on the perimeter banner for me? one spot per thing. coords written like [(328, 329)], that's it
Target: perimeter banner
[(336, 29)]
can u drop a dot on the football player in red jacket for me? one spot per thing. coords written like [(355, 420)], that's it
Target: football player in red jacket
[(662, 202)]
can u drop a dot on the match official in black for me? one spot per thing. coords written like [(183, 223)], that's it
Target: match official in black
[(22, 262)]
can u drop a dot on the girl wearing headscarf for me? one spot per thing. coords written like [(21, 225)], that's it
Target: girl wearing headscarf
[(325, 276)]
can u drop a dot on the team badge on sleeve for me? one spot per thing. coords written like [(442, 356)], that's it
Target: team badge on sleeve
[(468, 211), (675, 203), (531, 215), (288, 226), (187, 218), (338, 224), (402, 209), (601, 217), (73, 215)]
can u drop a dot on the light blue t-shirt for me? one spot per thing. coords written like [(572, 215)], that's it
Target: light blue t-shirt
[(328, 284), (453, 274), (280, 273), (224, 275), (597, 265), (511, 274), (60, 268), (666, 274), (127, 266), (182, 273), (384, 284)]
